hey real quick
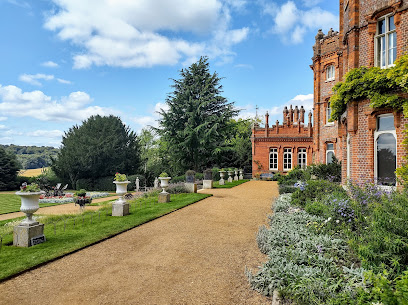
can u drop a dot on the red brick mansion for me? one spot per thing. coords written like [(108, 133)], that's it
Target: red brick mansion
[(368, 141)]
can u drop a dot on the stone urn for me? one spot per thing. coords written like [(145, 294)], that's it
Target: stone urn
[(222, 181), (236, 175), (121, 187), (120, 207), (164, 196), (241, 174), (29, 205), (164, 183), (230, 176)]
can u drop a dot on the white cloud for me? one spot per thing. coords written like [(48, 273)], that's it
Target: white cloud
[(64, 81), (3, 118), (46, 133), (33, 78), (35, 104), (3, 126), (150, 120), (145, 33), (291, 23), (50, 64)]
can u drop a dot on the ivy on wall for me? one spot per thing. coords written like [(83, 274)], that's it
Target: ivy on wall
[(383, 87), (380, 86)]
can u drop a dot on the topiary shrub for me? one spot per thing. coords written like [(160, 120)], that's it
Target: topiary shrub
[(208, 174)]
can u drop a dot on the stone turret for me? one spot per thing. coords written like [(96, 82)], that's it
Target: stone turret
[(296, 115), (285, 115)]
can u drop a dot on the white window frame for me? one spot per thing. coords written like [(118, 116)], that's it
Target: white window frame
[(302, 156), (376, 135), (328, 114), (274, 152), (348, 156), (329, 150), (287, 154), (386, 34), (330, 73)]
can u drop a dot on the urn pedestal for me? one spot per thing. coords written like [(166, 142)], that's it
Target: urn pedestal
[(236, 175), (120, 207), (241, 174), (191, 187), (207, 184), (29, 232)]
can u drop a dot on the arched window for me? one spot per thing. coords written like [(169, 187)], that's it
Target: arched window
[(302, 157), (385, 150), (287, 159), (273, 159), (329, 153)]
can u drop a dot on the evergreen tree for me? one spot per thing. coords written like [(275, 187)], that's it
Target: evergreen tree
[(100, 147), (195, 127), (8, 170)]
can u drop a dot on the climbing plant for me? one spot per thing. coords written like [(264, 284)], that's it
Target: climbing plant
[(381, 86)]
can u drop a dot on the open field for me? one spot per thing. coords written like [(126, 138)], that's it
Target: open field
[(31, 172)]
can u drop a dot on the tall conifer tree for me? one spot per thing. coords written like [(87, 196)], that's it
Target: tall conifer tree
[(197, 122)]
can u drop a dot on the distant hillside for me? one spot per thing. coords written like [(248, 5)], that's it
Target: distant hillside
[(32, 156)]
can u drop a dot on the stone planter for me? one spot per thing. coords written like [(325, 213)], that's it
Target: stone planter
[(222, 181), (120, 207), (121, 187), (191, 187), (236, 175), (29, 205), (230, 176), (29, 232), (164, 196), (241, 174)]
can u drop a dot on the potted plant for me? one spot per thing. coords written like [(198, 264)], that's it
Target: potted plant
[(222, 173), (30, 195), (164, 181), (208, 179), (241, 174), (81, 199), (236, 174), (190, 176), (230, 172), (190, 183), (121, 183)]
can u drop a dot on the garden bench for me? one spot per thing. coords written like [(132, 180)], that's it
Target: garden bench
[(266, 176)]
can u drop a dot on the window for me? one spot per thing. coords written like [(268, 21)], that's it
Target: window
[(330, 73), (273, 159), (287, 159), (386, 42), (328, 113), (329, 153), (302, 157), (385, 150)]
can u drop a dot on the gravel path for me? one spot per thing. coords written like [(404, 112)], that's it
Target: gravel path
[(196, 255)]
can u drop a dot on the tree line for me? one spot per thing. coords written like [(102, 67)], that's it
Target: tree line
[(199, 130)]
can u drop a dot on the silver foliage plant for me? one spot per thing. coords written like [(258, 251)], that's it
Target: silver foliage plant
[(303, 264)]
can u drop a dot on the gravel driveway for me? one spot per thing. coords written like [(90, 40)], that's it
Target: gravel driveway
[(196, 255)]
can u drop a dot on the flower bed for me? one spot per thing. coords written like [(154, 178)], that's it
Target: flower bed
[(68, 198), (340, 248)]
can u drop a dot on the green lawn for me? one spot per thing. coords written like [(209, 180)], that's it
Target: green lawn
[(228, 185), (89, 228), (10, 203)]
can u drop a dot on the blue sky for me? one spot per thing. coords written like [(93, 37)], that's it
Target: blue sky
[(62, 61)]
